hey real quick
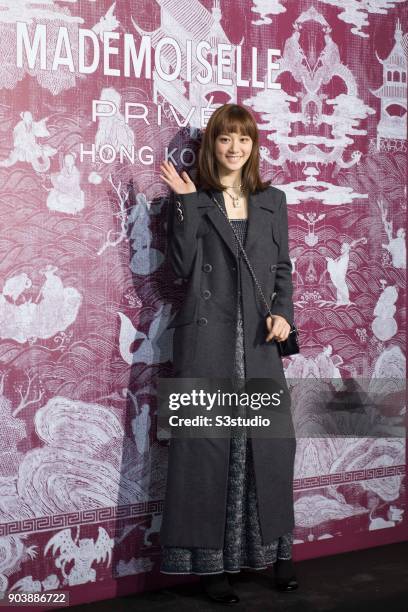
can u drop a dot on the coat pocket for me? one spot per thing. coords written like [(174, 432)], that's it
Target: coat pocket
[(186, 314), (181, 318), (276, 234)]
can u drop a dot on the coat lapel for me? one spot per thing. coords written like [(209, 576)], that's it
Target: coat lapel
[(259, 212), (259, 215), (220, 222)]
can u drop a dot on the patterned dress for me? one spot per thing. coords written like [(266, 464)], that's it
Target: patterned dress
[(243, 546)]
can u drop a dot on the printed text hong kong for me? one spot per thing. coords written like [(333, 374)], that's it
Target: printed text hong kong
[(120, 56)]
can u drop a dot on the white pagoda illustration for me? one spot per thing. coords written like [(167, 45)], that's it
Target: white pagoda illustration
[(189, 20), (392, 127)]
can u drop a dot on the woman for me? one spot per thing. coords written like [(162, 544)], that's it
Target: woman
[(229, 501)]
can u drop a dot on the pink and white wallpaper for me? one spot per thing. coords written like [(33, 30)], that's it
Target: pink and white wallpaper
[(94, 95)]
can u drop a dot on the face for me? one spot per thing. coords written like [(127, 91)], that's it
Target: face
[(232, 151)]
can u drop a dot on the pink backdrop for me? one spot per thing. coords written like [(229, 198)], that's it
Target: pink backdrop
[(86, 294)]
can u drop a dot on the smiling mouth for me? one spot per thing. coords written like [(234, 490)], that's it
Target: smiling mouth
[(234, 156)]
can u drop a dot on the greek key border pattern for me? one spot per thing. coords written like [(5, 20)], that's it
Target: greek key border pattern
[(101, 515), (339, 478), (83, 517)]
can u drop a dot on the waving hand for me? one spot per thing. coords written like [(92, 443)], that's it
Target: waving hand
[(178, 183)]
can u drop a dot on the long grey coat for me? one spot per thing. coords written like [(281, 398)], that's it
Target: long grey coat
[(202, 250)]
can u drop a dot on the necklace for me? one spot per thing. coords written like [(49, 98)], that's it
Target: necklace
[(234, 198)]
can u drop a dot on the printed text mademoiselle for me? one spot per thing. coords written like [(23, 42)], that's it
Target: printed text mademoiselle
[(120, 56)]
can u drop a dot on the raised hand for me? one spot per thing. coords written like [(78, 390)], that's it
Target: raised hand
[(178, 183)]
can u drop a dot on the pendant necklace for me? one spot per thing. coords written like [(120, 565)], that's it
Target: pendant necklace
[(234, 198)]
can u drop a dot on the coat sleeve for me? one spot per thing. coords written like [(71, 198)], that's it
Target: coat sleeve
[(182, 224), (283, 303)]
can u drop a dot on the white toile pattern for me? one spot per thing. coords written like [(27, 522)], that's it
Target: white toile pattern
[(55, 307), (86, 294), (327, 126), (357, 12), (266, 8)]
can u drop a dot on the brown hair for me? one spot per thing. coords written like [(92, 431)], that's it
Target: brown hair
[(229, 118)]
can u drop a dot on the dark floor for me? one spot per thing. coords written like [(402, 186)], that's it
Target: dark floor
[(372, 580)]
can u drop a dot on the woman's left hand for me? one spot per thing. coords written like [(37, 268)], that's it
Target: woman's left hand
[(278, 328)]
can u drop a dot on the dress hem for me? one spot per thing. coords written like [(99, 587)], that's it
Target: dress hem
[(225, 570)]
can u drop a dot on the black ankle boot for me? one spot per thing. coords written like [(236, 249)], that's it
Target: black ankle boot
[(285, 578), (218, 588)]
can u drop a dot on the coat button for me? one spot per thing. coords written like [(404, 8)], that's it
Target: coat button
[(207, 267), (272, 267), (233, 268), (206, 294), (202, 321)]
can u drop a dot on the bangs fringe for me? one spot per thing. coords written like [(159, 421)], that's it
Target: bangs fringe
[(237, 122)]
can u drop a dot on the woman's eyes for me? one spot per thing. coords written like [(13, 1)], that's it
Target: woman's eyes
[(245, 139)]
